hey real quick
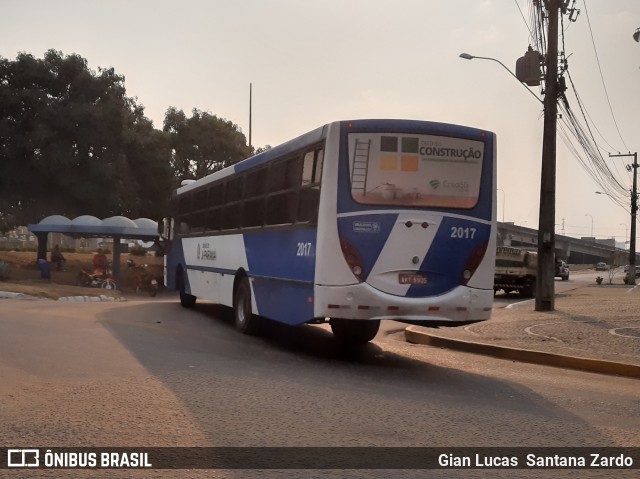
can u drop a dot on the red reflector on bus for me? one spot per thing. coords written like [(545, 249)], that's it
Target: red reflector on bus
[(393, 308), (363, 307), (434, 308), (338, 306)]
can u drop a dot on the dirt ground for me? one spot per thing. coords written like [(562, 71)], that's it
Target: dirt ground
[(24, 275)]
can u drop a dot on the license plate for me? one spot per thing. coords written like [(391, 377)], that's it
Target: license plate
[(411, 278)]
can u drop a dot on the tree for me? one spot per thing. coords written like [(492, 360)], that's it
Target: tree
[(72, 142), (203, 143)]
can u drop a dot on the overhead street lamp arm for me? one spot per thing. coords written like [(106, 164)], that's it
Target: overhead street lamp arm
[(467, 56)]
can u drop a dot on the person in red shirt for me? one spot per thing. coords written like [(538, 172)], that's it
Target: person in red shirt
[(100, 262)]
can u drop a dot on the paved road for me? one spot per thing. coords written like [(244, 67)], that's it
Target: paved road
[(154, 374), (576, 279)]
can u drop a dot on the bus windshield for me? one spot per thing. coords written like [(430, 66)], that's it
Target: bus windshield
[(415, 170)]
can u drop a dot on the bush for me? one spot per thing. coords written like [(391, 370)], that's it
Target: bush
[(137, 250)]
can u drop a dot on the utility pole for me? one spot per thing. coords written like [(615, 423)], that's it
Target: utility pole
[(631, 275), (545, 281)]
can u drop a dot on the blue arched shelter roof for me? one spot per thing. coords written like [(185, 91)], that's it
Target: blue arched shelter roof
[(89, 226)]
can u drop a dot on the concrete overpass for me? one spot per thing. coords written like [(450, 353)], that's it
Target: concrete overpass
[(572, 250)]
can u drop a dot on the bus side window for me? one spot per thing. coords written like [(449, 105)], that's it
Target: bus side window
[(234, 189), (184, 207), (197, 222), (213, 219), (200, 201), (253, 212), (281, 208), (216, 195), (184, 228), (256, 183), (232, 216), (312, 167), (309, 198), (308, 202), (277, 176), (308, 168), (293, 173)]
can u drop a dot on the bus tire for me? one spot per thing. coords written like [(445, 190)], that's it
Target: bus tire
[(246, 322), (354, 331), (186, 300)]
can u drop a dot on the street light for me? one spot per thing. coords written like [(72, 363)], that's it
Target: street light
[(545, 294), (587, 214), (468, 56)]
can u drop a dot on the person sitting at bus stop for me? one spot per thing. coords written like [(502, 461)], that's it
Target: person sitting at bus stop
[(100, 262), (57, 257)]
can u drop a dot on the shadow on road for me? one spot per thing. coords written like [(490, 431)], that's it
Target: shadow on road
[(298, 386)]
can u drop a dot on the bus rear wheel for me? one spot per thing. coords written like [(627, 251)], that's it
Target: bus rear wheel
[(246, 322), (354, 331), (186, 300)]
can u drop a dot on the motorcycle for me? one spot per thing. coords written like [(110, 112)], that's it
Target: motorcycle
[(144, 280), (96, 279)]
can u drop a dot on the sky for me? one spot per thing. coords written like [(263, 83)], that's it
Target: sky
[(313, 62)]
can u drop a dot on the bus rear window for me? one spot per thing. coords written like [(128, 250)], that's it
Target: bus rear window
[(415, 170)]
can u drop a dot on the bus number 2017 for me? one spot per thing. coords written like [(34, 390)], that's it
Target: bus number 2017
[(304, 249), (462, 233)]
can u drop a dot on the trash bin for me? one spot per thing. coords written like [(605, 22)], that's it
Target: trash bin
[(43, 266)]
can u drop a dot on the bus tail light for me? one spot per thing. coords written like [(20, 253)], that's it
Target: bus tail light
[(352, 257), (473, 261)]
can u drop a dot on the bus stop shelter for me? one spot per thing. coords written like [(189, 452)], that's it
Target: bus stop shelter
[(86, 226)]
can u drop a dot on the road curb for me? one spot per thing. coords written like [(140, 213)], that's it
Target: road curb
[(91, 299), (71, 299), (524, 355), (10, 295)]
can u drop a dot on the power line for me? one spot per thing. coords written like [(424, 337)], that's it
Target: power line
[(601, 75), (524, 19)]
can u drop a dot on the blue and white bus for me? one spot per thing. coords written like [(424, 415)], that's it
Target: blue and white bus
[(351, 223)]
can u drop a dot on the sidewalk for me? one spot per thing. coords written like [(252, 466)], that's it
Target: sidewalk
[(593, 328)]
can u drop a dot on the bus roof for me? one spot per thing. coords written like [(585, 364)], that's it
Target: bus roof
[(317, 135), (309, 138)]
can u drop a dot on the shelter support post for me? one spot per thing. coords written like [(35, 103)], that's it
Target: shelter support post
[(116, 261), (43, 238)]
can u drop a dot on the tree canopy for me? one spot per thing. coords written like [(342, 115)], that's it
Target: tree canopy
[(203, 143), (72, 142)]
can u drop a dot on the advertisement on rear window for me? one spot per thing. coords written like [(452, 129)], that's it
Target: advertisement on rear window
[(415, 170)]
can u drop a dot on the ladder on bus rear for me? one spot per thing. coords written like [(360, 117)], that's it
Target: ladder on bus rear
[(360, 166)]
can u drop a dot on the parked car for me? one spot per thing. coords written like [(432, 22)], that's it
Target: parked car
[(602, 267)]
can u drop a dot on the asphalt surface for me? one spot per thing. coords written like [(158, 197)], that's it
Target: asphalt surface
[(592, 328)]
